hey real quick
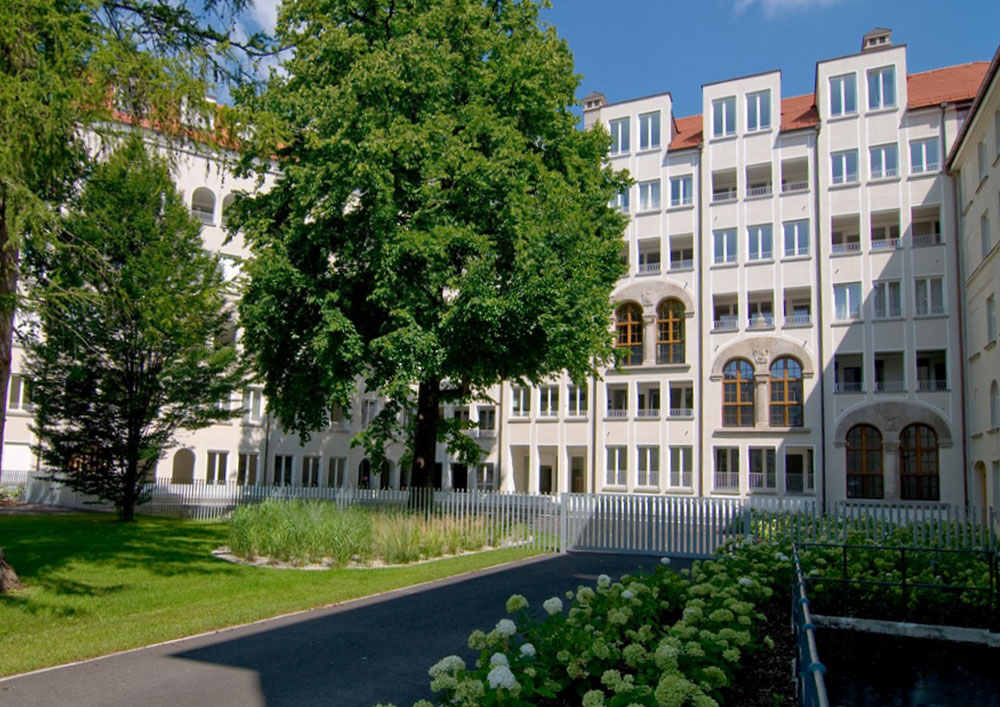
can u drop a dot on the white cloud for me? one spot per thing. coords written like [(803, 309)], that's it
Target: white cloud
[(265, 14), (772, 8)]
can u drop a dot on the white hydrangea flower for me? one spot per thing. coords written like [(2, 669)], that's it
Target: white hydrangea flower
[(664, 560), (746, 582), (506, 628), (528, 650), (553, 606), (604, 581), (627, 594), (498, 659), (448, 664), (501, 676)]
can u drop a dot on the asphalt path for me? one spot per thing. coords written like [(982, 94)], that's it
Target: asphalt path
[(358, 653)]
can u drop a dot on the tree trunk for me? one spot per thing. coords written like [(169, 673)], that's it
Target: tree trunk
[(424, 444), (9, 253)]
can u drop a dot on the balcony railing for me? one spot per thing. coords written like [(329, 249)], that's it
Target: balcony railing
[(726, 258), (764, 481), (933, 384), (760, 321), (793, 252), (680, 479), (798, 483), (617, 412), (724, 195), (521, 413), (884, 173), (856, 387), (726, 324), (926, 240), (649, 267), (845, 178), (762, 255), (483, 433), (852, 247), (727, 480), (206, 217), (759, 191), (682, 264), (548, 412), (885, 244), (683, 201), (794, 186), (929, 167), (890, 386), (681, 412), (924, 310), (798, 320), (648, 412), (890, 313)]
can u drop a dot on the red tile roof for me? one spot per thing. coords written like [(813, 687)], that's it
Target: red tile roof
[(952, 83), (688, 133), (799, 112)]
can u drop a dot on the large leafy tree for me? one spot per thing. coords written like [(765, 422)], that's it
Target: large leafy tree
[(439, 224), (60, 62), (133, 333)]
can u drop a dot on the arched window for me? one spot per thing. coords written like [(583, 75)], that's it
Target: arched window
[(994, 406), (786, 393), (203, 205), (227, 201), (365, 474), (864, 462), (628, 325), (383, 475), (918, 464), (737, 394), (670, 332)]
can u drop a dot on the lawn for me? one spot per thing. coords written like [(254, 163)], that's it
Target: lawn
[(95, 586)]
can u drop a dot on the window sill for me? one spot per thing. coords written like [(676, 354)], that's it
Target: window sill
[(547, 418), (925, 245), (648, 273), (686, 269), (733, 264), (794, 258), (763, 130), (881, 110), (520, 419), (760, 261), (646, 489), (846, 322), (617, 488), (648, 212), (884, 180), (912, 176), (842, 116), (982, 182), (889, 319), (993, 431), (975, 357), (990, 346), (576, 418), (252, 423), (844, 185), (763, 492), (933, 390), (722, 202), (623, 418), (844, 253), (680, 207), (640, 418), (651, 150), (935, 315), (802, 325), (726, 492), (724, 138), (618, 155), (758, 197)]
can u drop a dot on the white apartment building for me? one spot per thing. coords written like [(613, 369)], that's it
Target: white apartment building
[(974, 163), (789, 323)]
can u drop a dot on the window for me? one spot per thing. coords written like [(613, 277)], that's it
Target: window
[(786, 393), (336, 472), (649, 195), (649, 131), (887, 302), (763, 469), (996, 130), (929, 295), (282, 469), (984, 235), (981, 159), (628, 319), (577, 401), (727, 468), (217, 462), (253, 399), (680, 467), (725, 245), (918, 464), (847, 301), (681, 191), (548, 404), (617, 466), (18, 393), (843, 95), (487, 476), (203, 205), (670, 332), (796, 238), (737, 394), (758, 110), (681, 399), (487, 421), (760, 242), (648, 400), (884, 161), (881, 88), (649, 466), (368, 410), (994, 406), (845, 166), (310, 471), (724, 117), (924, 156), (620, 201), (991, 319), (246, 469), (521, 399), (864, 462), (619, 136)]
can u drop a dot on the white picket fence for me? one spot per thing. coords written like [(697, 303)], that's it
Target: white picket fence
[(680, 526)]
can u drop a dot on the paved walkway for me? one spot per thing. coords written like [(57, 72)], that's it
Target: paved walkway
[(359, 653)]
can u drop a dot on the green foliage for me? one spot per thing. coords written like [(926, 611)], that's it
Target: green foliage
[(309, 532), (11, 493), (130, 347), (438, 219)]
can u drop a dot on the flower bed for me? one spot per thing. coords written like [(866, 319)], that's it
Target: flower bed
[(659, 638)]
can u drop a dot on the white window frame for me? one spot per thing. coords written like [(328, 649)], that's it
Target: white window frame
[(369, 409), (649, 195), (619, 129), (616, 465), (620, 201), (247, 464), (925, 155), (882, 88), (680, 466), (548, 401), (843, 159), (798, 231), (767, 457), (883, 294), (879, 159), (760, 242), (253, 404), (839, 86), (726, 461), (520, 401), (486, 420), (336, 472), (991, 319), (985, 235), (724, 117), (18, 393), (981, 159), (682, 190), (730, 246), (923, 299), (758, 111), (649, 130), (310, 470), (852, 301), (648, 466), (576, 400), (217, 466), (286, 469), (994, 405)]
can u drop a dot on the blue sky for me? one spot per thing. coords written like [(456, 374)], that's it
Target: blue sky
[(631, 48)]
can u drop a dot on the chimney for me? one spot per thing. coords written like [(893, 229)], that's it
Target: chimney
[(878, 38), (592, 104)]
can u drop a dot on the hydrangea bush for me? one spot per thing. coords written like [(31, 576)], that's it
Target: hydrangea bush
[(658, 638)]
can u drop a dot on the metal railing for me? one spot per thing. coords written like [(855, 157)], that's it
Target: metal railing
[(850, 247), (798, 320), (729, 323), (848, 387), (794, 186), (759, 191), (649, 267), (926, 240), (682, 264), (890, 386), (206, 217), (934, 384), (728, 480), (648, 412), (681, 412), (810, 683)]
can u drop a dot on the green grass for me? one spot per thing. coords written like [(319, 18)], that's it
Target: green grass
[(95, 586)]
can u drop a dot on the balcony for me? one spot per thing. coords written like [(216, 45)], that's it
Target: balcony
[(798, 483), (932, 384), (484, 433), (848, 247), (680, 479), (724, 195), (885, 244), (521, 413), (788, 187), (205, 217), (798, 320), (648, 412), (687, 264), (649, 268), (682, 413), (849, 387), (763, 482), (890, 386), (727, 480), (617, 413), (761, 321), (726, 324), (920, 241), (764, 190)]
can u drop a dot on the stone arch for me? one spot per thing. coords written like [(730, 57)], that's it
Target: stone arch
[(651, 292), (364, 474), (203, 204), (762, 351), (384, 474), (183, 467), (891, 417)]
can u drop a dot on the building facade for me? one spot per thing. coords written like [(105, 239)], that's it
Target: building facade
[(790, 322)]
